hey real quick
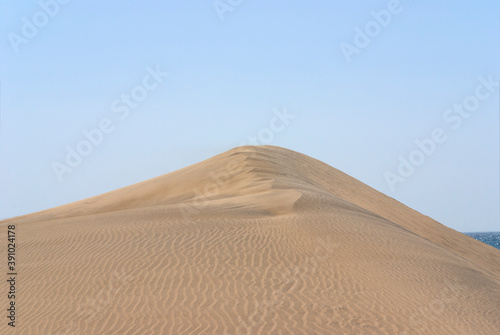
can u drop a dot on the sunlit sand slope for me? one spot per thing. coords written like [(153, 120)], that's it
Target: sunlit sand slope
[(257, 240)]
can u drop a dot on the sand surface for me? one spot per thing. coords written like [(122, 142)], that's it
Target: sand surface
[(257, 240)]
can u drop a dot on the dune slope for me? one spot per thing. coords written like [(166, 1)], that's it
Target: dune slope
[(256, 240)]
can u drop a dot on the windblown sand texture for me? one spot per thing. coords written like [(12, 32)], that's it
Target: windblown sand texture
[(257, 240)]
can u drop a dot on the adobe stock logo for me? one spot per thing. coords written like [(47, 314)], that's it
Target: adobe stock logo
[(373, 28), (121, 108), (40, 19), (223, 6), (454, 117)]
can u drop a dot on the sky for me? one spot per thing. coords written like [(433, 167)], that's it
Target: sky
[(402, 95)]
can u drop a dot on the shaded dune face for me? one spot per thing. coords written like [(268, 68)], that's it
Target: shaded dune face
[(256, 240)]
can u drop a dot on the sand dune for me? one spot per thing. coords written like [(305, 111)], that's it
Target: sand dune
[(257, 240)]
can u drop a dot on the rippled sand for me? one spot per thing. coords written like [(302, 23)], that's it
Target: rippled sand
[(257, 240)]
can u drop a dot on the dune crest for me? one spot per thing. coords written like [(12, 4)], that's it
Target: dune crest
[(256, 240)]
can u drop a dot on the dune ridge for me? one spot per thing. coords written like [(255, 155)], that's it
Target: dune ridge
[(256, 240)]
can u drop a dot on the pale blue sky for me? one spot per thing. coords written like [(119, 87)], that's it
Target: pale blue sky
[(226, 79)]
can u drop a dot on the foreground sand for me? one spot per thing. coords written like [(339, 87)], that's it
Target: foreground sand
[(257, 240)]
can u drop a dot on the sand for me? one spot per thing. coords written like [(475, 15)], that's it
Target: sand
[(256, 240)]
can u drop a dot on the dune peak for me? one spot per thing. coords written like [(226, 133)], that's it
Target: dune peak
[(255, 240)]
